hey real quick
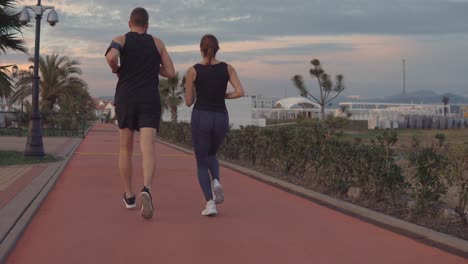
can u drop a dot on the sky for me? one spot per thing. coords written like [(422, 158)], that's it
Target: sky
[(270, 41)]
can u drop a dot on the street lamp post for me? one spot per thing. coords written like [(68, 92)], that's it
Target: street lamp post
[(35, 145), (404, 77)]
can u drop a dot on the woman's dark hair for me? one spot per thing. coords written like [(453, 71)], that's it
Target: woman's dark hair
[(139, 17), (209, 46)]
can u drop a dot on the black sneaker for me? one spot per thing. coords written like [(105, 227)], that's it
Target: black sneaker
[(147, 208), (129, 202)]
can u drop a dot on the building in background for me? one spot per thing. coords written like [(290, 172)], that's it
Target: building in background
[(366, 110), (240, 113), (260, 102), (289, 108), (255, 110), (105, 110), (418, 116), (259, 111)]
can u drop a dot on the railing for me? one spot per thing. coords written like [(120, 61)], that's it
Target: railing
[(53, 124), (11, 124)]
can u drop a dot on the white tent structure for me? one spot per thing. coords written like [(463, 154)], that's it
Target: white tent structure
[(296, 103), (290, 108)]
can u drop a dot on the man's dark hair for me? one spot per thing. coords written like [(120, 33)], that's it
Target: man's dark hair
[(139, 17)]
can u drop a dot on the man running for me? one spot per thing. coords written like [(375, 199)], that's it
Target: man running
[(137, 102)]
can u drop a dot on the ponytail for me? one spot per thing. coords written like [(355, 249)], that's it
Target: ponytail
[(210, 55), (209, 47)]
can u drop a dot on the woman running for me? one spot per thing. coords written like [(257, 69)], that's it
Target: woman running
[(210, 120)]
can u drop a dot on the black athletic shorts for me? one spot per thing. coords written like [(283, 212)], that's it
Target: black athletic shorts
[(137, 115)]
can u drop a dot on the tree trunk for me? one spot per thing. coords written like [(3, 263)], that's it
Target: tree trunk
[(49, 104), (322, 112), (174, 114)]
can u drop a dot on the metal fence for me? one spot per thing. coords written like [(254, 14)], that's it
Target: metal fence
[(53, 124)]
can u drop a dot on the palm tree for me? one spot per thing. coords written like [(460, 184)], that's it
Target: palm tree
[(325, 84), (9, 27), (6, 89), (22, 87), (60, 82), (344, 110), (172, 91), (445, 101), (82, 103)]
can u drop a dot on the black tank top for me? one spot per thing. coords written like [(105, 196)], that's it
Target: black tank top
[(210, 86), (139, 73)]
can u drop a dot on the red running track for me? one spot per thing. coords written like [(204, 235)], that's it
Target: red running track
[(83, 220)]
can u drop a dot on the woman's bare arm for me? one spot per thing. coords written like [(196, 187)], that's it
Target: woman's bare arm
[(189, 87), (236, 84)]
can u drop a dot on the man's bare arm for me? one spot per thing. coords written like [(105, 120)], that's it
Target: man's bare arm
[(167, 67), (113, 53)]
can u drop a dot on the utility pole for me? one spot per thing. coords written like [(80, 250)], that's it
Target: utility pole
[(404, 77)]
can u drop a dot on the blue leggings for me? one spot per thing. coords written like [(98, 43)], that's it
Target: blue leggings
[(208, 132)]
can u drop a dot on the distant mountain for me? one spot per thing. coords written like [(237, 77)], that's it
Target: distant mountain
[(418, 97), (423, 97), (106, 98)]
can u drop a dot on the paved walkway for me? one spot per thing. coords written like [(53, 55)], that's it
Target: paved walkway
[(52, 145), (10, 174), (22, 187), (83, 220), (14, 179)]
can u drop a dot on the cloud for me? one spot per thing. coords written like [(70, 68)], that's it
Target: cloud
[(236, 18), (275, 17), (268, 40)]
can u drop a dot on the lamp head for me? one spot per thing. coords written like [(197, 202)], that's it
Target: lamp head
[(24, 17), (52, 18)]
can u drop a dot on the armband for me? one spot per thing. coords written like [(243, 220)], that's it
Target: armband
[(114, 45)]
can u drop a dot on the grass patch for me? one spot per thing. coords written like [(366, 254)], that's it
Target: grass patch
[(453, 137), (8, 157)]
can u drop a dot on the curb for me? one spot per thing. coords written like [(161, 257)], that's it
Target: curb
[(422, 234), (85, 133), (30, 199)]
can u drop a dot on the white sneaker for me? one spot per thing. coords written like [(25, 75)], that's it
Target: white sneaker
[(146, 201), (218, 192), (210, 209)]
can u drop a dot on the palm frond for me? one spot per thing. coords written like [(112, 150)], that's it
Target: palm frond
[(171, 92), (6, 88), (9, 28), (10, 42)]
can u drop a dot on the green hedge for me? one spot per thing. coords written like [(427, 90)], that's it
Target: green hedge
[(321, 155)]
